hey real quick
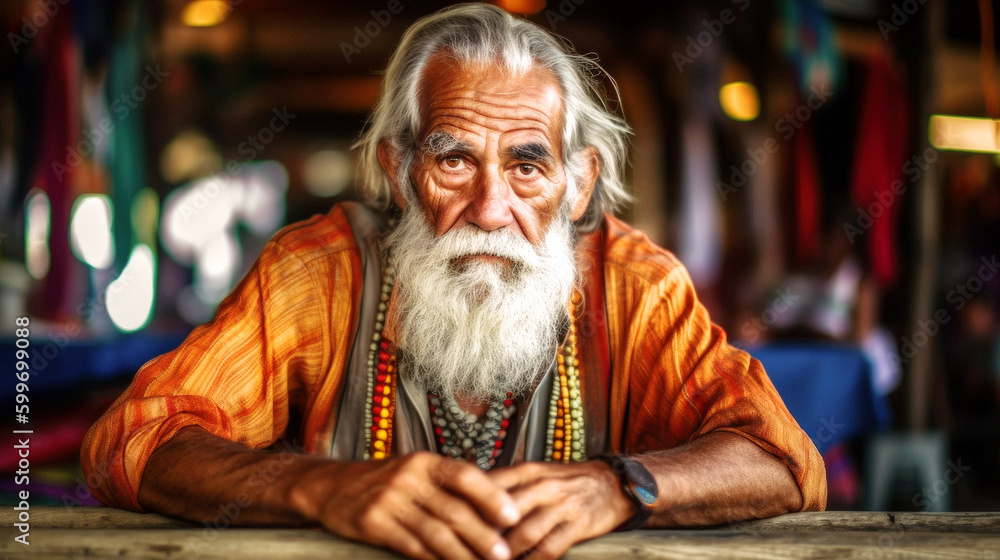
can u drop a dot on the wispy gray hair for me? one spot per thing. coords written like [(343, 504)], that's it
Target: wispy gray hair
[(484, 34)]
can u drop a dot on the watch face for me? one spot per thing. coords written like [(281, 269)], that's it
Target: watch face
[(645, 495), (642, 483)]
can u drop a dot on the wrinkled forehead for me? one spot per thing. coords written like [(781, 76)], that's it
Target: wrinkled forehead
[(473, 95)]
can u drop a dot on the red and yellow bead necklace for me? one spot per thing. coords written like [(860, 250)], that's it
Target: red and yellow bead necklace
[(565, 430)]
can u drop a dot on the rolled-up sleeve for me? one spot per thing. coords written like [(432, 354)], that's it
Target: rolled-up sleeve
[(683, 379), (268, 350)]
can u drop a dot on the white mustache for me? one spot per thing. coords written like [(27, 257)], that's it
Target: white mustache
[(503, 243)]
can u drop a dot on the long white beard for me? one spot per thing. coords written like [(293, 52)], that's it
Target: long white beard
[(473, 328)]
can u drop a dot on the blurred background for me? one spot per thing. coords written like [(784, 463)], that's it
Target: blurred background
[(826, 169)]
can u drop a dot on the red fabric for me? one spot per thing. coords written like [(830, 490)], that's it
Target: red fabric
[(807, 197), (879, 155), (57, 435), (61, 132)]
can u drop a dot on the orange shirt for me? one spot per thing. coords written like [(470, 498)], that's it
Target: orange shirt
[(279, 344)]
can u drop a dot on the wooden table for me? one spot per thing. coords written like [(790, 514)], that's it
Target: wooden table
[(58, 532)]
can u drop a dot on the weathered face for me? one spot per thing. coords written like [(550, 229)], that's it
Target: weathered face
[(484, 251), (490, 151)]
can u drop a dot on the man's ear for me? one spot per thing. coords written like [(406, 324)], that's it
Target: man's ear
[(591, 167), (389, 160)]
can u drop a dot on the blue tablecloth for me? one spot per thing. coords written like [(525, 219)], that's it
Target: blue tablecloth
[(827, 388), (75, 365)]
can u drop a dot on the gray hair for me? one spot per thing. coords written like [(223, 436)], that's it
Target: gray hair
[(485, 34)]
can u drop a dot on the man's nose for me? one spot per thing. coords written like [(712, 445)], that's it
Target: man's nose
[(490, 207)]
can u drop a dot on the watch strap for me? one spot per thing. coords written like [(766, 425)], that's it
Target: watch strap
[(643, 509)]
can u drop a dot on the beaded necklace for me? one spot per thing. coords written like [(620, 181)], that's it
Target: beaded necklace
[(461, 434), (564, 436), (381, 388)]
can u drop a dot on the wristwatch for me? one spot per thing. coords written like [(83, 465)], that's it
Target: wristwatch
[(638, 485)]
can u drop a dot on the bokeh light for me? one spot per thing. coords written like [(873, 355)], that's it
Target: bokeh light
[(37, 225), (967, 134), (205, 13), (130, 297), (327, 172), (90, 230), (740, 101)]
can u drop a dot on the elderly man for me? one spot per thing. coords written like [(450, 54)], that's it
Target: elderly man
[(496, 366)]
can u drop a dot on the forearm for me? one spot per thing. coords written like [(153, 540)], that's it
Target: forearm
[(719, 478), (199, 476), (421, 504)]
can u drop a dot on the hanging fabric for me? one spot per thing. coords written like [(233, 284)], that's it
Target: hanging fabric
[(807, 196), (883, 133), (56, 168), (128, 79)]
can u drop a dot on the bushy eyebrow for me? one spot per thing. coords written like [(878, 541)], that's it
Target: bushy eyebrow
[(532, 151), (440, 143)]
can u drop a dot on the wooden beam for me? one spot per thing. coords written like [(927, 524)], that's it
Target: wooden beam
[(292, 544), (52, 517)]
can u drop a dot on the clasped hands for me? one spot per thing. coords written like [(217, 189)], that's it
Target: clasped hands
[(426, 506)]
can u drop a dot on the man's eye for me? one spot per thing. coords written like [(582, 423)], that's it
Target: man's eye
[(527, 169), (453, 162)]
